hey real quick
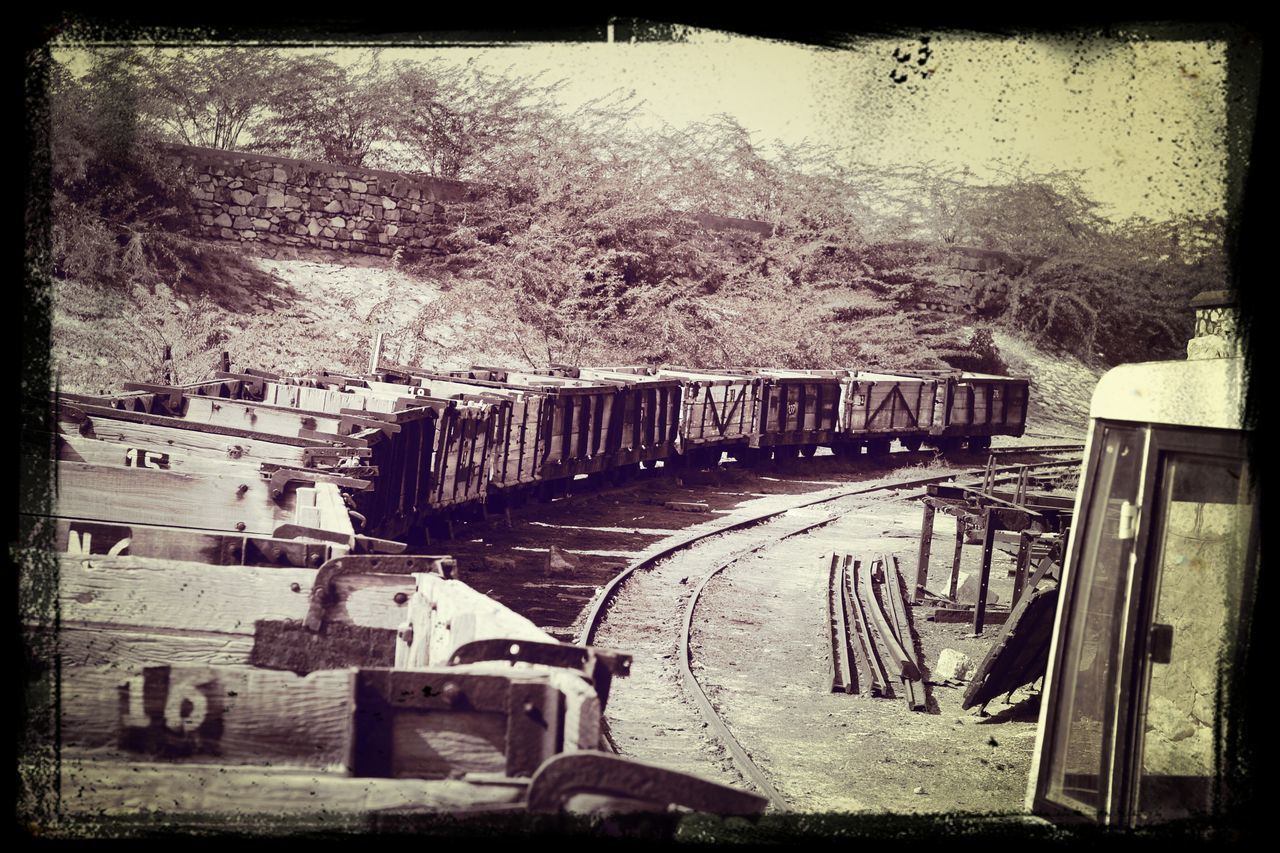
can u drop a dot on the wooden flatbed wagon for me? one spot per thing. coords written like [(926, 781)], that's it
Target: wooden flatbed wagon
[(371, 687)]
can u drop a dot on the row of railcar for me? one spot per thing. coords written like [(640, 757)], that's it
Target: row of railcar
[(404, 445), (231, 639)]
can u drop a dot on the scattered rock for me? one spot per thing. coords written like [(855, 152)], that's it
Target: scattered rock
[(558, 562), (488, 563), (919, 789), (687, 506), (967, 590), (953, 666)]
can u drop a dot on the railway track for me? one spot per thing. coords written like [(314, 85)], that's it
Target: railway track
[(671, 567), (1038, 448)]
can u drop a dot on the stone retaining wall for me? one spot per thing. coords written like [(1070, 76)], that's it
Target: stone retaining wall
[(261, 198)]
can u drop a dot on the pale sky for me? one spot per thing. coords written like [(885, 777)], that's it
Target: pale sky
[(1145, 119)]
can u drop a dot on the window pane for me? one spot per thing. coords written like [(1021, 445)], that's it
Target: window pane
[(1205, 518), (1082, 737)]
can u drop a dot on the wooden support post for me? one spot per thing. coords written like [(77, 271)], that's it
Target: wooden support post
[(168, 365), (990, 523), (375, 354), (1025, 541), (926, 543), (226, 362), (955, 560)]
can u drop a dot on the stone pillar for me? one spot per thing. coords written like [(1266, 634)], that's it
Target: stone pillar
[(1217, 328)]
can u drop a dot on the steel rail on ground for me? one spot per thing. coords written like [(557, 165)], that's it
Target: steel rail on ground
[(714, 721)]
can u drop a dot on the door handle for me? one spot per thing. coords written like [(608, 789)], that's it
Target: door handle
[(1161, 643)]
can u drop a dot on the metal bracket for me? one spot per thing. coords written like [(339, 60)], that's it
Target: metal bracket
[(597, 665), (563, 776), (373, 545), (330, 455), (322, 591), (533, 711), (281, 477), (254, 550)]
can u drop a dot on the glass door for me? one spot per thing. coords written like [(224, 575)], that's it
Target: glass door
[(1150, 624), (1080, 735), (1197, 586)]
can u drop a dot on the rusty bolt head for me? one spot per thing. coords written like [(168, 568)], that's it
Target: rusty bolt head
[(240, 525), (314, 559), (401, 598), (451, 692), (244, 487), (295, 587)]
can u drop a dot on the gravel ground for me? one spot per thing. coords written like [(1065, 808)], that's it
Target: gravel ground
[(760, 651), (761, 636)]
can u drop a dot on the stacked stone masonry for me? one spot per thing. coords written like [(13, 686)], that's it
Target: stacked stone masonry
[(1220, 321), (259, 198)]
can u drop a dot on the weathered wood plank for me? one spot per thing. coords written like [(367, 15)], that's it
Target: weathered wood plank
[(93, 788), (146, 496), (83, 410), (437, 744), (150, 593), (133, 648), (238, 715), (220, 548), (259, 417), (215, 445), (332, 401), (332, 510), (166, 594), (75, 448)]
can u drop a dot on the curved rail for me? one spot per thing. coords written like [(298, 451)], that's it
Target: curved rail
[(600, 604), (714, 721)]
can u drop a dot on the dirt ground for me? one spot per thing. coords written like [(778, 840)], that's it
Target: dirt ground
[(762, 636), (759, 647)]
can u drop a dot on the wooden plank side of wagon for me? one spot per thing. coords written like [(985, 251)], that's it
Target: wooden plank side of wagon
[(276, 420), (146, 496), (231, 714), (93, 789)]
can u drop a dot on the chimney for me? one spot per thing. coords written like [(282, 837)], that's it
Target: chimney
[(1217, 334)]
